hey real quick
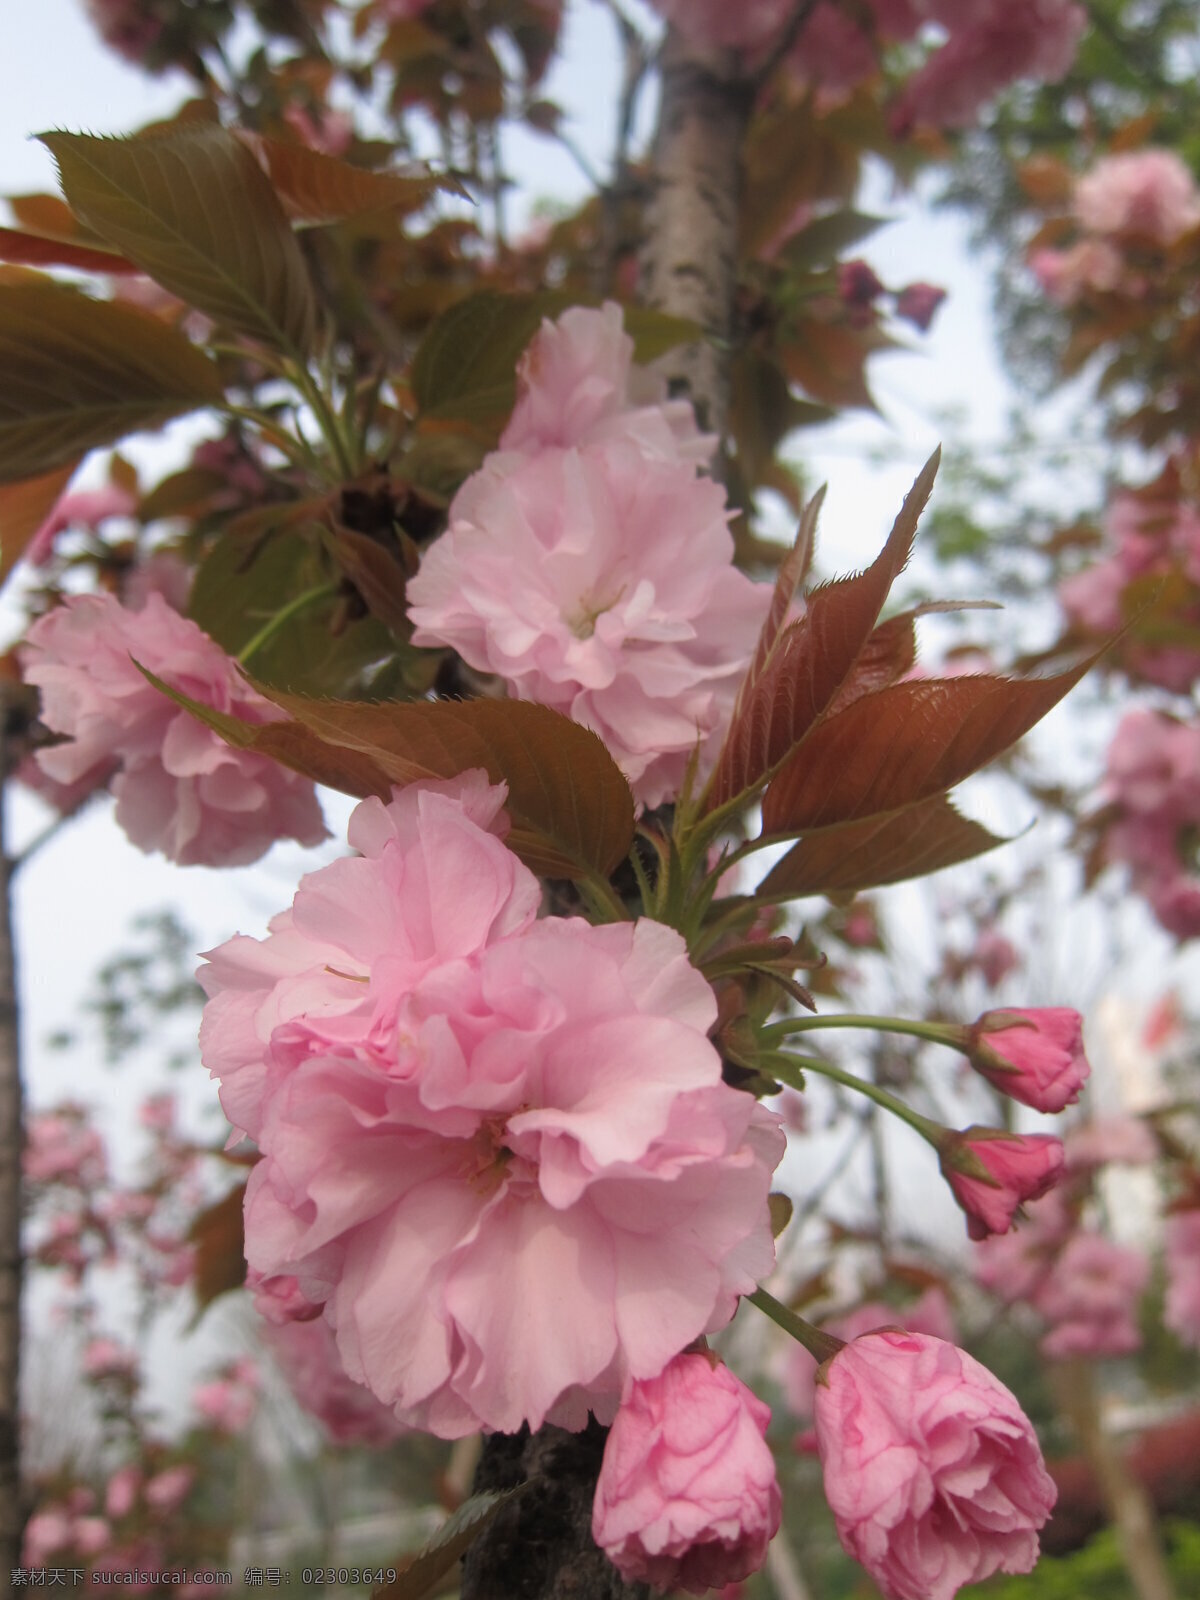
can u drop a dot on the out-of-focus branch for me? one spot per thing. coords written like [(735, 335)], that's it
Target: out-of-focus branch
[(12, 1514), (1129, 1505)]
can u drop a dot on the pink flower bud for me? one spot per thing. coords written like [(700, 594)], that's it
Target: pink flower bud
[(167, 1490), (687, 1496), (1035, 1056), (932, 1470), (918, 303), (992, 1173)]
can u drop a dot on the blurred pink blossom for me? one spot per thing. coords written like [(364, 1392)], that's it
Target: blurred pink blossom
[(918, 303), (129, 27), (1181, 1241), (180, 789), (481, 1130), (79, 508), (60, 1147), (717, 24), (1090, 1298), (932, 1470), (1145, 192), (1103, 1139), (121, 1495), (105, 1358), (227, 1403), (167, 1490), (1067, 275), (687, 1496)]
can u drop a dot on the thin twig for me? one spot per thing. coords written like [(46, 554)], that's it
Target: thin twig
[(784, 44)]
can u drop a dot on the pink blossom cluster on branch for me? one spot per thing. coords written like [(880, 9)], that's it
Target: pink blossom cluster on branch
[(524, 1117), (590, 567), (1152, 781)]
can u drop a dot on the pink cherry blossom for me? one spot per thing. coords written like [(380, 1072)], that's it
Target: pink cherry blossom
[(60, 1147), (930, 1314), (1181, 1241), (599, 581), (1145, 192), (1016, 1167), (127, 26), (167, 1490), (1115, 1138), (180, 789), (79, 508), (306, 1352), (105, 1358), (932, 1470), (687, 1496), (121, 1495), (1089, 1300), (228, 1402), (499, 1150), (990, 44), (577, 385), (1067, 275), (716, 24), (1034, 1055)]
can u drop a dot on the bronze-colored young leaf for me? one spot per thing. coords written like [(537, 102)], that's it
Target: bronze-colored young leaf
[(866, 855), (571, 807), (419, 1575), (792, 571), (809, 661), (314, 188), (80, 373), (193, 209), (34, 250), (904, 744), (23, 508), (217, 1234)]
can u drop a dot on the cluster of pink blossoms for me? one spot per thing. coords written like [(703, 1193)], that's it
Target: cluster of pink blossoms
[(179, 787), (1083, 1286), (1155, 534), (979, 46), (1181, 1241), (1153, 779), (498, 1150), (1124, 203), (590, 566)]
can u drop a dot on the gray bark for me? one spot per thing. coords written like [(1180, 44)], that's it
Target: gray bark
[(540, 1546), (689, 260), (11, 1505)]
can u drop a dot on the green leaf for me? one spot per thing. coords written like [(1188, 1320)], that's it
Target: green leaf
[(80, 373), (421, 1573), (193, 209), (867, 855)]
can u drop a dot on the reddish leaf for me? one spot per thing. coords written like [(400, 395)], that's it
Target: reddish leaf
[(378, 575), (315, 188), (891, 651), (792, 571), (811, 659), (571, 808), (866, 855), (220, 1249), (904, 744), (33, 250), (23, 508)]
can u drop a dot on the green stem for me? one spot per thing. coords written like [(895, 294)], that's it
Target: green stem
[(934, 1032), (327, 419), (821, 1346), (791, 1070), (602, 897), (310, 597)]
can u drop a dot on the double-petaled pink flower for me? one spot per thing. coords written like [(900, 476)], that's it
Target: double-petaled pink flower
[(498, 1150), (589, 566), (179, 787), (932, 1470), (687, 1496)]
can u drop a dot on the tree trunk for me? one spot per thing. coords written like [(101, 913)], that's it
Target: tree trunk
[(689, 260), (11, 1505), (540, 1546)]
